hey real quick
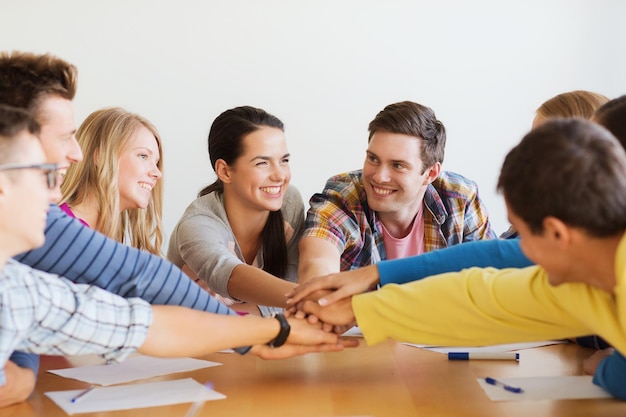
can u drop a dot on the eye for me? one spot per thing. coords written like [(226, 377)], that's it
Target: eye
[(285, 160), (143, 156), (260, 163)]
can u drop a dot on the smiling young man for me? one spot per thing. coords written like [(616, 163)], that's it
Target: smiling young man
[(562, 186), (400, 204)]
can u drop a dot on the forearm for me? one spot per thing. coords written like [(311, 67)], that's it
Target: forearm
[(315, 267), (177, 331), (477, 307), (496, 253), (253, 285), (317, 258), (85, 256)]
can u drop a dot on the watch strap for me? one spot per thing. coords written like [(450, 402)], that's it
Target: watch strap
[(283, 334)]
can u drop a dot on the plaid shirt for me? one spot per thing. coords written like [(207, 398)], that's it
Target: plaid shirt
[(43, 313), (340, 214)]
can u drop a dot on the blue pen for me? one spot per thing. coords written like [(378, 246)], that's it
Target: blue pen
[(82, 394), (506, 387)]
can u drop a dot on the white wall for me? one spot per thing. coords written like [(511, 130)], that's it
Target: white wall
[(326, 68)]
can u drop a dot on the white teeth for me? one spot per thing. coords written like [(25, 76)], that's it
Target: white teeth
[(146, 186), (382, 191), (271, 190)]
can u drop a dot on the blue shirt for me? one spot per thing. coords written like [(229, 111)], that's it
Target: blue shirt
[(83, 255)]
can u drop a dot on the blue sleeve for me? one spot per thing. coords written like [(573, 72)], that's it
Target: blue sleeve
[(81, 254), (26, 360), (497, 253), (611, 374), (85, 256)]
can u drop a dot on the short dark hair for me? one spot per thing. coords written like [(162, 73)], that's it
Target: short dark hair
[(413, 119), (571, 169), (612, 115), (13, 121), (27, 78)]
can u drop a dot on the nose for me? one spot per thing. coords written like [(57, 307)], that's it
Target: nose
[(74, 153), (381, 175), (281, 173), (155, 172)]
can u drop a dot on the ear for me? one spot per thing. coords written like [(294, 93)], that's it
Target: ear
[(557, 231), (433, 173), (96, 156), (223, 171)]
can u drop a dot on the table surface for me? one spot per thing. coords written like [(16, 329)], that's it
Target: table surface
[(389, 379)]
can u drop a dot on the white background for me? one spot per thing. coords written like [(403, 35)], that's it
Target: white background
[(325, 68)]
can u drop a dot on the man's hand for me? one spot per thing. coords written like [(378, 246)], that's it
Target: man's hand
[(20, 383), (304, 337), (342, 285), (337, 314), (289, 350), (591, 363)]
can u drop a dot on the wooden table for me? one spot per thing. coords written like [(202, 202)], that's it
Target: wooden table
[(389, 379)]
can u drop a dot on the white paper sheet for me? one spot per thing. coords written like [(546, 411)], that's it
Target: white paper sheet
[(545, 388), (125, 397), (132, 369), (492, 348), (353, 331)]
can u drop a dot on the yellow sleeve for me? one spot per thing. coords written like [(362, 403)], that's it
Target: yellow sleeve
[(483, 306)]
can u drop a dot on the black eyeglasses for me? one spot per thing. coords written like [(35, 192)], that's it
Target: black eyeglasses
[(51, 171)]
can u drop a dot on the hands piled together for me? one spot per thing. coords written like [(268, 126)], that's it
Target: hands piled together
[(328, 299), (319, 311)]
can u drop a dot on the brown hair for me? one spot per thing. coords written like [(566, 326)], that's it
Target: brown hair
[(27, 78), (571, 169), (413, 119)]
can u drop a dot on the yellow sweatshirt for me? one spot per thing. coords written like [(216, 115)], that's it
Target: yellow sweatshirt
[(482, 306)]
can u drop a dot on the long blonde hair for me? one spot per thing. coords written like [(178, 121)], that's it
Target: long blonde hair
[(102, 136)]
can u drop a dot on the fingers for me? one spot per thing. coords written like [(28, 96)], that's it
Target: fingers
[(301, 292), (349, 342), (340, 294)]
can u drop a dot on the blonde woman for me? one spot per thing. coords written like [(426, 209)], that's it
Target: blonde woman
[(116, 188)]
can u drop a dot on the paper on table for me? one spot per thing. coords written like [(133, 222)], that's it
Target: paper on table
[(125, 397), (545, 388), (132, 369), (353, 331), (492, 348)]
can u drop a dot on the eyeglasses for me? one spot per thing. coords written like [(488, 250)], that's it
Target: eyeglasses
[(51, 171)]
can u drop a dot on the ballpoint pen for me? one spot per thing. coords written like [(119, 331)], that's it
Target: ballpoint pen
[(504, 386), (82, 394), (494, 356)]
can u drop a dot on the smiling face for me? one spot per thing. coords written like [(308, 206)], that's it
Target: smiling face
[(58, 133), (138, 169), (259, 177), (393, 176), (25, 198)]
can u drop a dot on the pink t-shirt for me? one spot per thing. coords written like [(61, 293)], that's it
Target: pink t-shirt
[(69, 211), (410, 245)]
